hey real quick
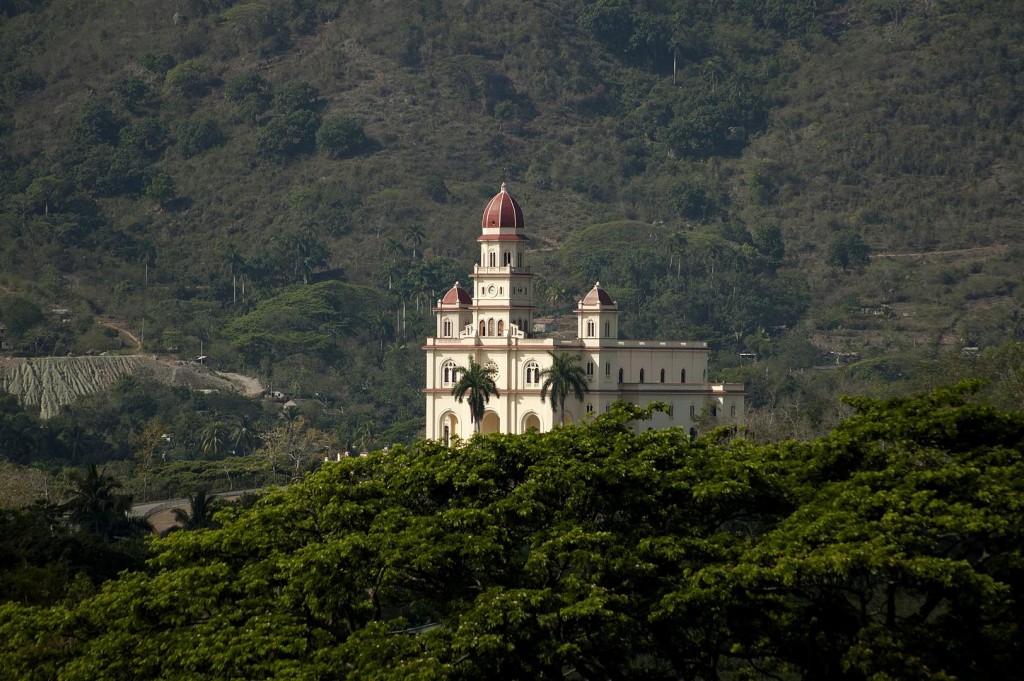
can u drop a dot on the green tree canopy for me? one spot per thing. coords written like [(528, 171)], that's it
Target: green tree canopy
[(890, 549), (848, 251)]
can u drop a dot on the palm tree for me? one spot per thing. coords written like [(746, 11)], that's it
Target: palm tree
[(235, 262), (243, 435), (565, 375), (676, 249), (202, 506), (478, 382), (414, 233), (95, 504), (213, 438)]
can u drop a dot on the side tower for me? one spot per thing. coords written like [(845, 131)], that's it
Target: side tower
[(597, 316)]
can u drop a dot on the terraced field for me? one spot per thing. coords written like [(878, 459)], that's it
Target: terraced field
[(51, 382)]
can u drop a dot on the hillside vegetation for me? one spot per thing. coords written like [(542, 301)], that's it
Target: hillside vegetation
[(287, 185)]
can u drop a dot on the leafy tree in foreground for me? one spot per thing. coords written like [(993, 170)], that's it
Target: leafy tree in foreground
[(475, 385), (564, 376), (890, 549)]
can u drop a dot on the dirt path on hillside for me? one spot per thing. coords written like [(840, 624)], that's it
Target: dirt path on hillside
[(251, 387), (955, 251), (121, 330)]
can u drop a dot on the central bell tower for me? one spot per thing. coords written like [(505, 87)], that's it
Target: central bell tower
[(502, 283)]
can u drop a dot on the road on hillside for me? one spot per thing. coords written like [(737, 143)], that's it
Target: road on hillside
[(150, 507)]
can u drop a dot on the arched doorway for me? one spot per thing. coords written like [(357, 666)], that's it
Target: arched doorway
[(449, 427), (531, 422), (490, 424)]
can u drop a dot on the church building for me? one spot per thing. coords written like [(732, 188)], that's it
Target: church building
[(492, 321)]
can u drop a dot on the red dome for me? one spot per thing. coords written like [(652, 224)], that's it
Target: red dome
[(597, 296), (503, 211), (457, 295)]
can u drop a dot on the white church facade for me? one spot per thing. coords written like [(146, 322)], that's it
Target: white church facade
[(491, 322)]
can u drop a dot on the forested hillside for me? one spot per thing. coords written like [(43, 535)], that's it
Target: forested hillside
[(287, 185)]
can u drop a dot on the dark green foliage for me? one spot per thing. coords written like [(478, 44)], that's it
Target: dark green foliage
[(434, 186), (190, 79), (131, 93), (684, 284), (21, 80), (890, 549), (96, 507), (295, 97), (104, 170), (148, 135), (97, 124), (19, 315), (161, 188), (610, 21), (288, 135), (157, 63), (198, 134), (848, 251), (43, 561), (21, 436), (340, 137), (716, 119), (768, 241), (250, 93), (304, 319)]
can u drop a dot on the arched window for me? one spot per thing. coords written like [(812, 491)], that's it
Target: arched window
[(590, 409), (483, 328), (447, 435), (641, 375), (590, 329), (448, 373), (620, 375), (662, 375), (493, 258), (519, 259), (607, 368), (532, 373), (501, 327), (705, 379), (490, 327), (506, 258), (682, 376), (590, 369), (447, 328), (607, 329)]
